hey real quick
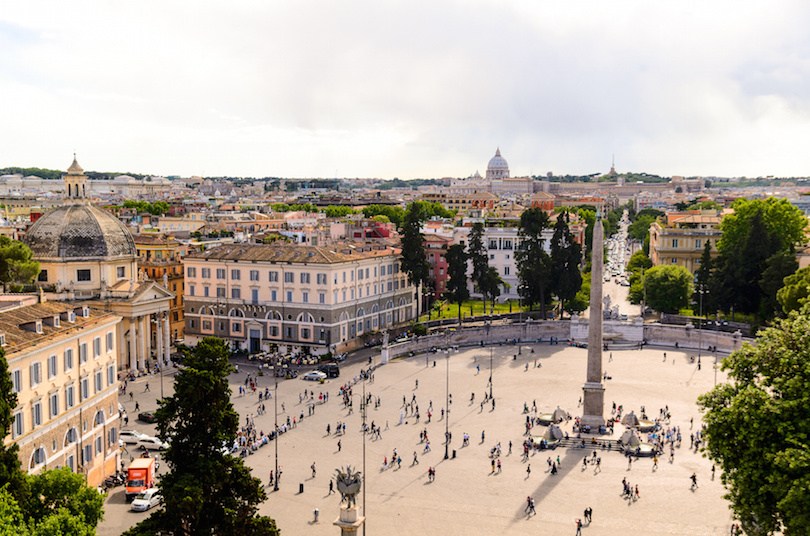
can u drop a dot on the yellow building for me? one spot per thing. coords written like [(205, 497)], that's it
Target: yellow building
[(62, 360), (680, 238), (161, 259)]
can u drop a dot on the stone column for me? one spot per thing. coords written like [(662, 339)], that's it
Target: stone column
[(147, 339), (167, 343), (133, 347), (593, 400), (158, 338), (349, 521)]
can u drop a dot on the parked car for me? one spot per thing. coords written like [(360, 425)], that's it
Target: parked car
[(146, 500), (131, 436), (314, 376), (147, 417), (332, 370), (152, 443)]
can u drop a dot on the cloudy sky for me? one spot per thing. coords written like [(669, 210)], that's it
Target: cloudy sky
[(406, 89)]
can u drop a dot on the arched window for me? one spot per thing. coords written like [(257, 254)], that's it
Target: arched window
[(37, 457), (71, 436), (305, 317), (99, 418)]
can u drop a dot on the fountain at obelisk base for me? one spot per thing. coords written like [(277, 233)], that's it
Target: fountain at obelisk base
[(593, 399), (348, 484)]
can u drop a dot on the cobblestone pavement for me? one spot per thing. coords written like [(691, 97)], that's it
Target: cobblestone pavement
[(466, 497)]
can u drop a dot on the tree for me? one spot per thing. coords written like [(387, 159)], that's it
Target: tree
[(205, 491), (337, 211), (490, 285), (533, 262), (477, 253), (793, 295), (636, 266), (394, 214), (566, 256), (582, 299), (756, 429), (61, 503), (414, 261), (779, 266), (640, 228), (756, 231), (457, 291), (668, 288), (17, 267)]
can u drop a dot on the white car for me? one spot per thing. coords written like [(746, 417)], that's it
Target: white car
[(152, 443), (146, 500), (314, 376), (131, 436)]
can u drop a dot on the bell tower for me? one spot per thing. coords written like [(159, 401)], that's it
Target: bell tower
[(75, 181)]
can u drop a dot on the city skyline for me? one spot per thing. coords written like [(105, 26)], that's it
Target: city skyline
[(408, 90)]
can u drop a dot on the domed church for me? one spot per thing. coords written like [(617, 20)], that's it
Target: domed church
[(497, 168), (86, 253)]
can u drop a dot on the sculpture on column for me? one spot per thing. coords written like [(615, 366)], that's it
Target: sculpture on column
[(348, 484)]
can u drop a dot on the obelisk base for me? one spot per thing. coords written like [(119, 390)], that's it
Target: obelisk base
[(384, 356), (349, 521), (593, 402)]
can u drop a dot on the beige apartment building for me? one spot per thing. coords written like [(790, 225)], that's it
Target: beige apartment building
[(322, 299), (681, 237), (62, 360)]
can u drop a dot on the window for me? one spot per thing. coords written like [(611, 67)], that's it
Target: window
[(493, 244), (69, 396), (85, 387), (360, 274), (99, 381), (274, 331), (220, 292), (254, 275), (206, 273), (506, 270), (54, 405), (506, 244), (366, 273), (96, 347), (191, 271), (674, 242), (206, 291), (321, 297), (112, 436), (43, 276), (36, 377), (36, 413), (220, 273), (83, 353), (51, 366), (254, 295), (82, 275), (289, 277), (98, 445), (236, 327), (305, 296), (19, 425), (236, 293), (87, 454), (289, 296), (16, 381), (69, 359), (305, 333), (191, 290), (121, 272), (273, 295), (273, 277), (321, 278), (109, 341), (206, 325), (698, 243), (236, 274), (110, 375)]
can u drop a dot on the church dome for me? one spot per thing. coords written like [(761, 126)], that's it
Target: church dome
[(497, 168), (75, 168), (79, 232)]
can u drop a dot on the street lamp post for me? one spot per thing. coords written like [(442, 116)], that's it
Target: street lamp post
[(490, 371), (701, 291), (447, 406), (275, 410), (364, 412)]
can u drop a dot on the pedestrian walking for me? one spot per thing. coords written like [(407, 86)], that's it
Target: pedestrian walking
[(528, 470), (415, 459), (589, 514), (331, 486), (499, 465), (693, 478), (579, 527), (338, 445), (313, 469), (147, 388), (315, 514), (137, 406)]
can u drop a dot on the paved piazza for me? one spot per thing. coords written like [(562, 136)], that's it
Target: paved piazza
[(466, 498)]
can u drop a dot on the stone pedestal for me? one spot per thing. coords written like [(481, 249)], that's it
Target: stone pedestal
[(384, 356), (593, 401), (349, 521)]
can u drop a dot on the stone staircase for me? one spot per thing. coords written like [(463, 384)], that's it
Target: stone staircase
[(574, 443)]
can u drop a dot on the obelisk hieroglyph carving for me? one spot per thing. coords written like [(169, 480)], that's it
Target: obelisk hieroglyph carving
[(593, 399)]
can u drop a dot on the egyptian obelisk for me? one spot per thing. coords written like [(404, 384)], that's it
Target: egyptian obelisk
[(593, 399)]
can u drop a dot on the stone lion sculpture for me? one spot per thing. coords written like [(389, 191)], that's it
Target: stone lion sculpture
[(348, 484)]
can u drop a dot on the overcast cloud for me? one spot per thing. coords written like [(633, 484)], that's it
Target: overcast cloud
[(406, 89)]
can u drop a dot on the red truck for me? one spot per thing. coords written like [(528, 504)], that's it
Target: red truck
[(140, 476)]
